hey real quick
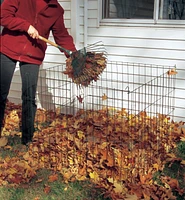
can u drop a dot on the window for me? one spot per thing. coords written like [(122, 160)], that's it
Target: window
[(172, 9), (144, 9)]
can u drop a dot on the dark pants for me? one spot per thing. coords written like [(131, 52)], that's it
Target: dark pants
[(29, 76)]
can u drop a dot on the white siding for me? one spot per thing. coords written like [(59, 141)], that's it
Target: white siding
[(137, 43), (53, 55)]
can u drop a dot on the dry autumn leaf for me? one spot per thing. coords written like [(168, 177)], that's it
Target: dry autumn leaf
[(3, 141), (104, 97), (80, 98), (47, 189), (38, 180), (182, 139), (37, 198), (173, 183), (183, 162), (172, 72), (94, 175), (53, 177)]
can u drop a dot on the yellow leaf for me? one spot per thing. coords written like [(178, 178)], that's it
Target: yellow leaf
[(110, 180), (101, 62), (104, 97), (166, 120), (94, 175), (104, 145), (81, 178), (71, 161), (118, 187), (64, 124), (81, 134), (42, 158), (156, 166), (182, 139), (172, 155), (26, 156), (11, 171), (183, 162)]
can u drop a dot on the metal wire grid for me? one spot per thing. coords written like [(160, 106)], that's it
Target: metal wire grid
[(54, 89), (136, 87), (131, 88)]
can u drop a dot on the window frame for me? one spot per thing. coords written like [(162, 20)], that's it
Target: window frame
[(140, 22)]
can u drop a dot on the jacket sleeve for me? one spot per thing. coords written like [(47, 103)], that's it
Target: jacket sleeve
[(9, 19), (62, 36)]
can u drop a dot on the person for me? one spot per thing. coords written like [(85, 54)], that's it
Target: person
[(23, 21)]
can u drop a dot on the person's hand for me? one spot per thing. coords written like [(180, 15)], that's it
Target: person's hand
[(32, 32)]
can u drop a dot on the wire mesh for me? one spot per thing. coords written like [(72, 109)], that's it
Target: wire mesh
[(115, 127)]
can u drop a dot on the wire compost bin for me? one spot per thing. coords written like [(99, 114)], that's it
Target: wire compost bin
[(114, 128)]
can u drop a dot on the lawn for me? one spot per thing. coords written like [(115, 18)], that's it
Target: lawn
[(45, 185), (41, 189)]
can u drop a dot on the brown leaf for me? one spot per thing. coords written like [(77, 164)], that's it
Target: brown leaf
[(3, 141), (37, 198), (47, 189), (80, 98), (39, 180), (53, 178), (173, 183), (172, 72)]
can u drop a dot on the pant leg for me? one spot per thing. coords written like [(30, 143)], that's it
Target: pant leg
[(29, 75), (7, 67)]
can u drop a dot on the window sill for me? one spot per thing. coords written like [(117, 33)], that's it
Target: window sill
[(143, 23)]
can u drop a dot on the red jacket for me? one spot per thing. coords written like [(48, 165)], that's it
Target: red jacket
[(17, 16)]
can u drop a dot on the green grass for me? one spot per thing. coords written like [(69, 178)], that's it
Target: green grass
[(16, 146), (34, 190), (59, 190), (180, 150), (175, 170)]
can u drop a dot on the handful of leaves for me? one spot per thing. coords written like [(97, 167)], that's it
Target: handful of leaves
[(89, 71)]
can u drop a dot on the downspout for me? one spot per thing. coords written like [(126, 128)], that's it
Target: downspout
[(161, 9), (156, 11), (85, 21), (99, 18), (75, 25)]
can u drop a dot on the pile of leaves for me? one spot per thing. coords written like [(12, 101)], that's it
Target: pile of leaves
[(86, 71), (115, 150)]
